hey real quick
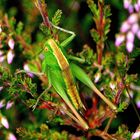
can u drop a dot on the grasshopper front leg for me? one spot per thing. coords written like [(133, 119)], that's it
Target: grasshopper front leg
[(39, 97)]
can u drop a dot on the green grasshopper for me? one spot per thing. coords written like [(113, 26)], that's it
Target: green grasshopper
[(62, 74)]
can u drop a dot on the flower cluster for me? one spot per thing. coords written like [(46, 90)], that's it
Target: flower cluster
[(130, 27), (9, 55), (131, 7)]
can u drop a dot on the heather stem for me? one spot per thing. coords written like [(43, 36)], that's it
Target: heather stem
[(109, 123), (100, 47)]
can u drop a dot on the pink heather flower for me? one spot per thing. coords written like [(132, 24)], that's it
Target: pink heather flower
[(136, 135), (138, 34), (125, 27), (138, 104), (131, 9), (130, 37), (112, 86), (27, 69), (2, 103), (119, 39), (10, 56), (137, 8), (97, 77), (133, 18), (138, 2), (127, 3), (129, 46), (1, 88), (1, 53), (11, 43), (135, 28), (9, 104), (4, 122), (2, 58), (11, 136)]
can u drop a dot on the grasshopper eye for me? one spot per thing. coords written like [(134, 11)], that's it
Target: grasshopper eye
[(46, 49)]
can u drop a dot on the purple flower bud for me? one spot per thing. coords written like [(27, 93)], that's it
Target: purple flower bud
[(138, 34), (119, 39), (138, 104), (1, 53), (4, 122), (1, 88), (137, 8), (10, 56), (112, 86), (11, 43), (130, 37), (9, 104), (132, 19), (125, 27), (129, 46), (131, 9), (127, 3), (11, 136), (135, 28), (2, 103), (97, 77), (136, 135), (26, 68), (138, 2), (2, 58)]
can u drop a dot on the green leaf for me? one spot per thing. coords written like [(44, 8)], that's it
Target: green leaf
[(107, 11), (95, 35), (19, 28), (45, 30), (57, 17), (93, 8), (135, 53)]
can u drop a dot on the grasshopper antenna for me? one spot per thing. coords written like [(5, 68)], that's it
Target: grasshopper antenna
[(62, 29)]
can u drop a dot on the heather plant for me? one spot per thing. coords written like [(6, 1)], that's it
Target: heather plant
[(89, 89)]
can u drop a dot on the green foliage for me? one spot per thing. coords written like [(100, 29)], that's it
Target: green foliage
[(17, 84), (122, 106), (114, 76), (19, 28), (45, 30), (45, 133), (93, 8), (123, 132), (57, 17), (102, 21)]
